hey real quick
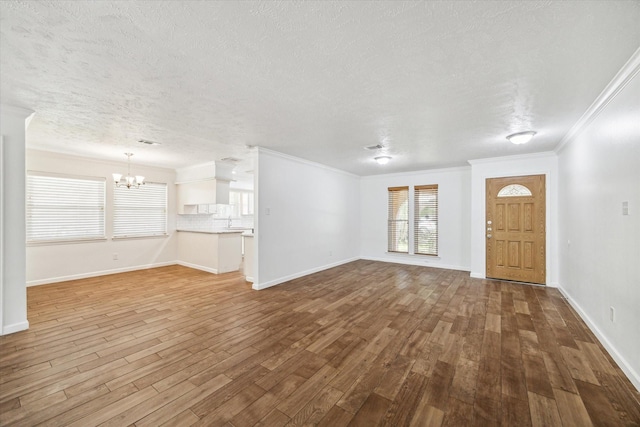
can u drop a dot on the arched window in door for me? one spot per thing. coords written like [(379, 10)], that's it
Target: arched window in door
[(514, 190)]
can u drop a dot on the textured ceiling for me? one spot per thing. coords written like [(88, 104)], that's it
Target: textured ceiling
[(437, 83)]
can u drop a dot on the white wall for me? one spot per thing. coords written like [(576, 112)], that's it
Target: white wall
[(454, 198), (533, 164), (600, 268), (13, 293), (47, 263), (306, 218)]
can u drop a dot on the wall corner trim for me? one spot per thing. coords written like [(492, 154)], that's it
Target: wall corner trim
[(628, 71), (633, 376)]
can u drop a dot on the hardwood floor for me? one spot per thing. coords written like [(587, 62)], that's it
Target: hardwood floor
[(363, 344)]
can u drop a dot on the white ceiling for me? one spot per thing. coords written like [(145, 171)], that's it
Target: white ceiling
[(438, 83)]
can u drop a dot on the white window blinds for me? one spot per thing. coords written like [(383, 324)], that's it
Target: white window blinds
[(425, 226), (139, 212), (398, 220), (63, 208), (241, 203)]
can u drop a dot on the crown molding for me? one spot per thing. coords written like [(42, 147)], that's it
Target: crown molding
[(454, 169), (619, 82), (273, 153), (12, 110), (62, 155), (539, 155)]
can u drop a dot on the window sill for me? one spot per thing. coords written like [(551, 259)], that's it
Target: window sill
[(66, 242), (154, 236)]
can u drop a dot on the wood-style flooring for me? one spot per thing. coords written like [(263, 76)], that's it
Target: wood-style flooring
[(363, 344)]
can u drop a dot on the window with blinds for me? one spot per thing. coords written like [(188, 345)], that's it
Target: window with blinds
[(241, 203), (140, 212), (61, 207), (425, 220), (398, 220)]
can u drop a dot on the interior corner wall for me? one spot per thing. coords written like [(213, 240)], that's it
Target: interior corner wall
[(49, 263), (306, 218), (533, 164), (599, 245), (454, 197), (13, 293)]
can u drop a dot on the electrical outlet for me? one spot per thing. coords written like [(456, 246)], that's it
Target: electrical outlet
[(612, 314), (625, 208), (330, 253), (115, 257)]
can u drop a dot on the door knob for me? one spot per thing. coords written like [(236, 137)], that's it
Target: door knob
[(488, 236)]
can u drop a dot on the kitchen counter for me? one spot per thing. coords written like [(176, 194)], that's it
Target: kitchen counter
[(215, 251), (213, 231)]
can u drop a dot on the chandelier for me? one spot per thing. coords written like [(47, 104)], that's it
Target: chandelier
[(128, 180)]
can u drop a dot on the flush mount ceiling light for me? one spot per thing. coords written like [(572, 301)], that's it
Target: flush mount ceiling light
[(382, 160), (128, 181), (521, 137)]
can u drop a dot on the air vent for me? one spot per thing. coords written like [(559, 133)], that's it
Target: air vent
[(230, 159), (374, 147), (147, 142)]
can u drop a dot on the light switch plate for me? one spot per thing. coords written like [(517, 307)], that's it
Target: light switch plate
[(625, 208)]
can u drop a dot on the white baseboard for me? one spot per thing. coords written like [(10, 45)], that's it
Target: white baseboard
[(97, 273), (248, 279), (422, 262), (620, 360), (197, 267), (270, 283), (15, 327)]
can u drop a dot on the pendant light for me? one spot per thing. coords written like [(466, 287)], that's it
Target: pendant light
[(128, 180)]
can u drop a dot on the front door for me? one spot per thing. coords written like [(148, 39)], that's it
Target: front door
[(515, 228)]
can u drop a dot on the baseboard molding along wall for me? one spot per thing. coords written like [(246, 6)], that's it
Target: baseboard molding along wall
[(16, 327), (197, 267), (633, 376), (270, 283), (97, 273)]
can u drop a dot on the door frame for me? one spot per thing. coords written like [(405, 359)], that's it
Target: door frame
[(521, 165), (518, 179)]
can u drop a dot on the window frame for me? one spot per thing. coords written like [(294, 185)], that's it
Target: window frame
[(100, 198), (239, 209), (413, 221), (395, 201), (421, 192), (161, 231)]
